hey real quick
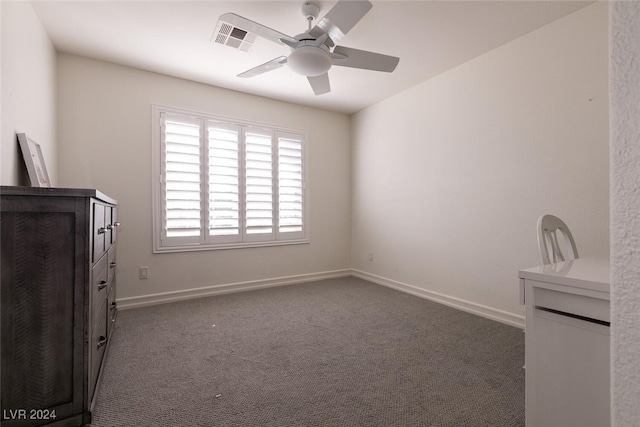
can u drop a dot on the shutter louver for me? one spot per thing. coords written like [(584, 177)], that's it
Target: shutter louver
[(182, 179), (259, 182), (290, 185), (224, 184)]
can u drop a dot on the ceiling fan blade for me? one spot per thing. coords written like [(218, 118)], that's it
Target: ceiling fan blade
[(320, 84), (253, 27), (357, 58), (267, 66), (340, 20), (291, 44)]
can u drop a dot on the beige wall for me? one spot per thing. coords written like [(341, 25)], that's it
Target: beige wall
[(474, 155), (28, 91), (105, 142), (450, 176)]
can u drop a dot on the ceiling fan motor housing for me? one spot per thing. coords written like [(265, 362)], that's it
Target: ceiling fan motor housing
[(309, 59), (310, 10)]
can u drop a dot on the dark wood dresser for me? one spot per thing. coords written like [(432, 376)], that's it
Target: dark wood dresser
[(58, 302)]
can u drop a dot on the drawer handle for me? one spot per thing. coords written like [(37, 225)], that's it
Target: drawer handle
[(574, 316), (112, 264), (103, 341), (102, 230), (102, 285)]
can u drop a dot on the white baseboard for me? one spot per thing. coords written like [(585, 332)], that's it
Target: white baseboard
[(166, 297), (460, 304)]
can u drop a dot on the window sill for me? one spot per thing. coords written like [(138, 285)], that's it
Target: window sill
[(194, 248)]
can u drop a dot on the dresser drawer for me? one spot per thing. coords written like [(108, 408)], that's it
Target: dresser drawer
[(104, 228), (111, 260), (578, 306), (98, 345), (112, 307), (113, 223), (99, 286), (99, 230)]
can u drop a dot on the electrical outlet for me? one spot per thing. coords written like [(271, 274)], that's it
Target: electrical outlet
[(370, 256), (143, 273)]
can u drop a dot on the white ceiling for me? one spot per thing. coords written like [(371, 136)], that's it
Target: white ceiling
[(174, 38)]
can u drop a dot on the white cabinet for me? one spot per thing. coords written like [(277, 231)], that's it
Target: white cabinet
[(567, 343)]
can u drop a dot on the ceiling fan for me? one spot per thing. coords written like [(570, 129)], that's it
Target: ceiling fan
[(312, 52)]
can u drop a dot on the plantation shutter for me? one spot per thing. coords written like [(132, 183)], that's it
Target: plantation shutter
[(259, 203), (182, 222), (290, 186), (224, 182)]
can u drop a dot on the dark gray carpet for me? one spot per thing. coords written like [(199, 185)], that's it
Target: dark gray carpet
[(341, 352)]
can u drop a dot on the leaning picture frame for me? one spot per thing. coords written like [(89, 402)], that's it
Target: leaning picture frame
[(32, 154)]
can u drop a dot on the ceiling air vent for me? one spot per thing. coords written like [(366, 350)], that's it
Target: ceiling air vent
[(233, 36)]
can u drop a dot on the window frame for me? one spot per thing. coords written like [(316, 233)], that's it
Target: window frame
[(205, 241)]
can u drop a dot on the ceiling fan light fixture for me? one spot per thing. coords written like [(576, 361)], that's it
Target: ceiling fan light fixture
[(315, 51), (309, 61)]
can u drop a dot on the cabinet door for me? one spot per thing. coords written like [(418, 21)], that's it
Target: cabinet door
[(571, 372), (40, 294)]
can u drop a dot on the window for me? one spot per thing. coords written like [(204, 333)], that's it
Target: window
[(221, 183)]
